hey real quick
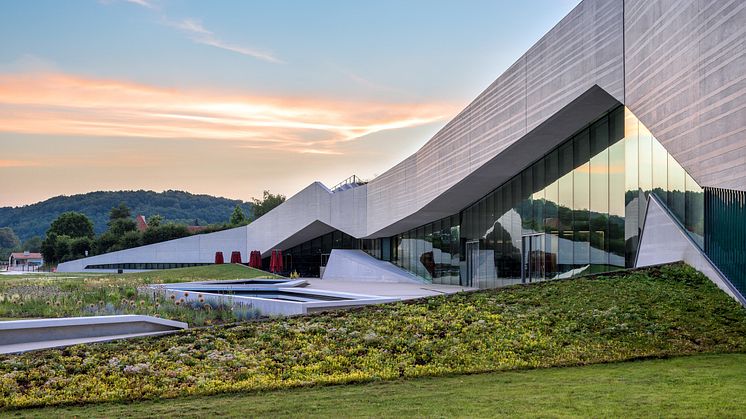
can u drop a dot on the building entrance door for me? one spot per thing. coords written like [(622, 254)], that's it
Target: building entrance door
[(322, 263), (472, 263), (532, 254)]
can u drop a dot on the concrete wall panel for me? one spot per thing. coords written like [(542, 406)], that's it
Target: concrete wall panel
[(685, 67)]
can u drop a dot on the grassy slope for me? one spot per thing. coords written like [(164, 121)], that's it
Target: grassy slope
[(703, 386), (655, 313)]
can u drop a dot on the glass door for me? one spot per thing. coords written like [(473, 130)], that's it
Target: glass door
[(472, 263), (532, 254), (322, 264)]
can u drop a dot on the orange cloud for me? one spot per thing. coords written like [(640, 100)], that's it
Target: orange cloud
[(16, 163), (60, 104)]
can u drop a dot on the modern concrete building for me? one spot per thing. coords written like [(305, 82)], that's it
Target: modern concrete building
[(617, 140)]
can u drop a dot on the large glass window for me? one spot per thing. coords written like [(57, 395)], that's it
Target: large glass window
[(617, 191), (565, 260), (581, 201), (599, 196), (645, 168), (633, 191), (427, 259), (455, 250), (676, 188), (695, 207), (658, 172), (516, 227), (575, 211), (537, 199), (551, 216), (307, 258)]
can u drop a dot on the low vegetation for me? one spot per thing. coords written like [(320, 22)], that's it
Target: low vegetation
[(658, 312), (702, 386), (68, 295)]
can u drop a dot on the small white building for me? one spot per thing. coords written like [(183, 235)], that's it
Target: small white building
[(25, 261)]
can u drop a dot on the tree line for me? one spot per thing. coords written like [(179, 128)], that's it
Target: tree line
[(176, 206), (71, 235)]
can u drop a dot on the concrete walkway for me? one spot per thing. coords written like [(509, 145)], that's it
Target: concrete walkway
[(28, 335), (405, 291), (356, 265), (61, 343)]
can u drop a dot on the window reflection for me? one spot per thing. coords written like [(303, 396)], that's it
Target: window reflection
[(575, 211)]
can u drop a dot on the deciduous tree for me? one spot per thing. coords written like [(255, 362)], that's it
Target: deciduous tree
[(267, 203), (72, 224), (238, 218)]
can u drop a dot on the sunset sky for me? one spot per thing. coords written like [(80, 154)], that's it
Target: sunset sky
[(230, 98)]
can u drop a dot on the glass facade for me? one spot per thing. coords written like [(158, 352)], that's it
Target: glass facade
[(145, 266), (430, 251), (308, 258), (657, 172), (576, 210)]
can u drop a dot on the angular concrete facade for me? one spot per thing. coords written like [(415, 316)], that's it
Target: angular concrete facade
[(679, 66), (685, 80)]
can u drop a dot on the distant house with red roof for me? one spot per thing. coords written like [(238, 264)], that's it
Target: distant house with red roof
[(142, 224), (25, 261)]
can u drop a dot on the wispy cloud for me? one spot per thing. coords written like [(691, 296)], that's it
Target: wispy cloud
[(194, 29), (143, 3), (148, 4), (366, 83), (63, 104), (197, 33)]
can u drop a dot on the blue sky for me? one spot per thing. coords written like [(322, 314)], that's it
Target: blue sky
[(234, 97)]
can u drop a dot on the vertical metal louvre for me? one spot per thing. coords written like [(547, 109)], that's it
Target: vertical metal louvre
[(725, 233)]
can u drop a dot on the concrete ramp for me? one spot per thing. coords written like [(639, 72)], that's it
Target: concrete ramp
[(28, 335), (356, 265)]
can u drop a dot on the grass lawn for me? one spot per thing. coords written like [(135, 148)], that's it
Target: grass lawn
[(653, 313), (696, 386), (42, 295), (197, 273)]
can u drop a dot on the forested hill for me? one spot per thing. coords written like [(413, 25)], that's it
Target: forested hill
[(183, 207)]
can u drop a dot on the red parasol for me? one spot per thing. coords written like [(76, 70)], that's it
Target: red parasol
[(280, 266)]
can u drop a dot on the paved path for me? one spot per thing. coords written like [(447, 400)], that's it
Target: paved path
[(405, 291)]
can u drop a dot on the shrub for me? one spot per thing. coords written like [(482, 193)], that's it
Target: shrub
[(164, 232)]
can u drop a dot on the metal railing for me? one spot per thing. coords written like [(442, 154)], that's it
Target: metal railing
[(724, 278), (351, 182)]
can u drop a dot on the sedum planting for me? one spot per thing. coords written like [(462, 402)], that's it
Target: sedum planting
[(659, 312)]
